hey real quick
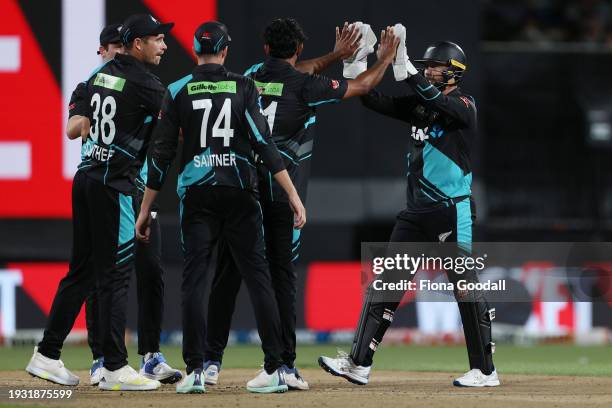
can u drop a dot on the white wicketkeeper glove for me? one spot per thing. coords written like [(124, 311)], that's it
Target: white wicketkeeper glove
[(358, 63), (402, 67)]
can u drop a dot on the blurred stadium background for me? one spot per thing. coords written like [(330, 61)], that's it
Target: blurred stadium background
[(537, 68)]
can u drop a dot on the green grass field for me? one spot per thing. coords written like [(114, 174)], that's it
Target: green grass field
[(542, 359)]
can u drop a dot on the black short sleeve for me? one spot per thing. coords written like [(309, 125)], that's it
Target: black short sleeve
[(319, 90), (78, 104)]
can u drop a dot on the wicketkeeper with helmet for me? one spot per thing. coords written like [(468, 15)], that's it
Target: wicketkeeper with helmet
[(439, 205)]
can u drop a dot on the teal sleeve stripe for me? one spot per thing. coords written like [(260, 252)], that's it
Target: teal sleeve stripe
[(161, 173), (424, 89), (287, 156), (430, 98), (126, 219), (311, 120), (253, 69), (322, 102), (175, 87), (258, 136)]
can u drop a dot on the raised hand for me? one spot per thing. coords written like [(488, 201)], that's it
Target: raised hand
[(347, 40), (388, 45)]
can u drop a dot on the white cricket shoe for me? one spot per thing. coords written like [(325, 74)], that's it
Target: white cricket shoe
[(191, 383), (294, 380), (266, 383), (51, 370), (343, 366), (475, 378), (154, 367), (211, 372), (126, 379), (95, 373)]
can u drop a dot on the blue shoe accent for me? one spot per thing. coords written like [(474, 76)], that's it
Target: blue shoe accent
[(197, 373), (208, 363), (150, 364), (96, 365)]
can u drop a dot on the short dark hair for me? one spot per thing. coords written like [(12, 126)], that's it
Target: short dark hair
[(283, 36), (130, 44)]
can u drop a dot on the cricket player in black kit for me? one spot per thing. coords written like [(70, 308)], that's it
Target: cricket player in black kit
[(290, 99), (439, 208), (149, 272), (220, 117), (123, 97)]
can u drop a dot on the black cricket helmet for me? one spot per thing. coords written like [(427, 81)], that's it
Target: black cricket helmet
[(445, 53)]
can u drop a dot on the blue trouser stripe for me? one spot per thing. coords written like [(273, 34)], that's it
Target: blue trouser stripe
[(127, 220), (296, 235), (464, 224)]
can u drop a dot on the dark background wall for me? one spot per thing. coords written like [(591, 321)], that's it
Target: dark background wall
[(536, 177)]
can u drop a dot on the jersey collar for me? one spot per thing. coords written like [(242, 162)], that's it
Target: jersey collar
[(277, 63), (129, 60), (210, 68)]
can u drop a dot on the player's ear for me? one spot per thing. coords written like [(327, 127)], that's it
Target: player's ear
[(101, 50), (299, 50), (266, 49), (224, 51)]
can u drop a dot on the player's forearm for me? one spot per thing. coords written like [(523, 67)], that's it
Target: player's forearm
[(148, 200), (74, 126), (367, 80), (283, 179), (318, 65)]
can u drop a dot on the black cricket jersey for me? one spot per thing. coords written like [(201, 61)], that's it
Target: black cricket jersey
[(123, 99), (290, 99), (440, 143), (223, 128)]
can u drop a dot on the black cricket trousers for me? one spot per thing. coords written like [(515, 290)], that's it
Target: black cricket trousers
[(210, 214)]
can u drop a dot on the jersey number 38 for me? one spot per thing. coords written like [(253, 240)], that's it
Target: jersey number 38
[(103, 125)]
